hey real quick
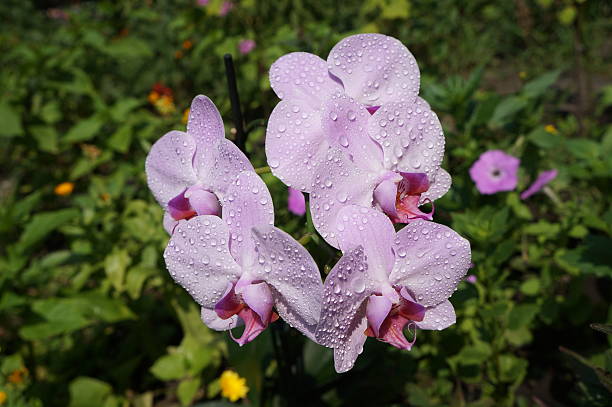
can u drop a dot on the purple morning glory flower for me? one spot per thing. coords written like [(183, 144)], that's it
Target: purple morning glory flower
[(386, 281), (495, 171), (226, 7), (472, 279), (188, 173), (246, 46), (352, 130), (241, 269), (543, 179), (296, 203)]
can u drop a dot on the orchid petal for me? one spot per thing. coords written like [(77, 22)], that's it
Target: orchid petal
[(247, 203), (438, 317), (203, 202), (375, 69), (229, 304), (212, 320), (440, 186), (295, 143), (543, 178), (346, 355), (411, 137), (204, 124), (198, 258), (345, 122), (430, 261), (302, 76), (292, 274), (337, 184), (169, 166), (169, 223), (219, 164), (385, 195), (346, 288), (377, 310), (258, 297), (371, 229)]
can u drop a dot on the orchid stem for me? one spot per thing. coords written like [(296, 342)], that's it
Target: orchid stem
[(305, 239), (232, 87), (262, 170)]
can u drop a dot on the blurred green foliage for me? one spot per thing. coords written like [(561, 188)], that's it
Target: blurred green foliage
[(88, 313)]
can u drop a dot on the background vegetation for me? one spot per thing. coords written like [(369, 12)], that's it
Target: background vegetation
[(90, 317)]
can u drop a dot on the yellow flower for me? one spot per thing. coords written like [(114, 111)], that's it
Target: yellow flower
[(522, 74), (233, 387), (550, 128), (186, 116), (18, 375), (2, 397), (165, 105), (64, 189)]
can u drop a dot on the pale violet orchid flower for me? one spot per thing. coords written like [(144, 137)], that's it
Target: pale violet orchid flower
[(189, 173), (241, 269), (352, 130), (386, 281)]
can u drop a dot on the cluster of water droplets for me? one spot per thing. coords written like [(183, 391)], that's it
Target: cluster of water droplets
[(375, 68), (284, 264), (198, 258), (346, 288), (169, 166), (411, 137), (430, 261), (205, 123), (303, 75), (294, 141)]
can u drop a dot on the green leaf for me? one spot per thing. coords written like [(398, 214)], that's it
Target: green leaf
[(530, 286), (506, 110), (121, 139), (120, 110), (84, 130), (44, 223), (46, 137), (541, 84), (543, 139), (187, 389), (10, 121), (170, 367), (511, 368), (475, 354), (591, 257), (87, 392), (115, 265), (522, 315)]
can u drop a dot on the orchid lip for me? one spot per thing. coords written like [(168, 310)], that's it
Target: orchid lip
[(194, 201), (252, 302)]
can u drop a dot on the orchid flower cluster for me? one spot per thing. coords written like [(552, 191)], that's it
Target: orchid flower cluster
[(354, 134)]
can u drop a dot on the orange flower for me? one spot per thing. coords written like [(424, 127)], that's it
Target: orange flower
[(186, 116), (187, 44), (105, 196), (64, 189), (18, 376), (153, 96), (3, 397), (165, 105), (178, 54)]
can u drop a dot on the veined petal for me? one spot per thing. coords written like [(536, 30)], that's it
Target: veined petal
[(169, 166), (375, 69), (346, 288), (430, 261), (198, 258), (345, 123), (338, 183), (438, 317), (385, 196), (204, 124), (203, 202), (372, 230), (346, 355), (411, 137), (247, 204), (440, 186), (302, 76), (295, 143), (219, 165), (292, 274)]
